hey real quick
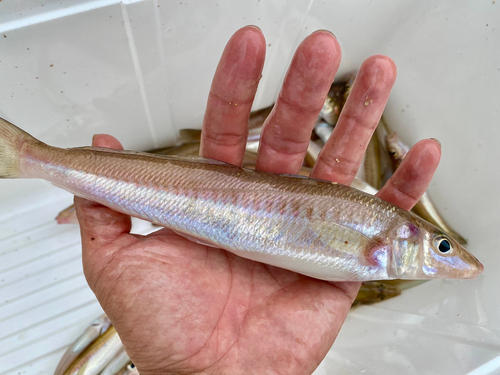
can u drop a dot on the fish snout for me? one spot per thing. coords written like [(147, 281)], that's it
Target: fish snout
[(476, 267)]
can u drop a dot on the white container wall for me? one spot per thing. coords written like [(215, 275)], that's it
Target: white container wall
[(141, 70)]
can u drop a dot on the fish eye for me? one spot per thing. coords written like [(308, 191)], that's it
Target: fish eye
[(443, 245)]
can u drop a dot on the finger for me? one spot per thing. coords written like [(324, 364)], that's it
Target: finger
[(287, 130), (225, 126), (106, 140), (100, 224), (342, 155), (413, 176)]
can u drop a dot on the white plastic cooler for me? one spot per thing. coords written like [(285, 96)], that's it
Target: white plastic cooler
[(141, 70)]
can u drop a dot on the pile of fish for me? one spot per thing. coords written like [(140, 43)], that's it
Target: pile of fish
[(98, 350)]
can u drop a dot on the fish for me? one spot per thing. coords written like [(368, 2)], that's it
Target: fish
[(335, 101), (98, 327), (386, 168), (323, 130), (363, 186), (117, 364), (330, 111), (312, 154), (258, 117), (348, 85), (190, 135), (396, 148), (95, 358), (191, 148), (371, 163), (186, 149), (130, 369), (425, 208), (376, 291), (317, 228)]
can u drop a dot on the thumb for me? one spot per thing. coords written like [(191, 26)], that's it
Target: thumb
[(100, 225)]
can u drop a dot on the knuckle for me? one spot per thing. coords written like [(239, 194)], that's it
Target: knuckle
[(284, 145), (225, 139)]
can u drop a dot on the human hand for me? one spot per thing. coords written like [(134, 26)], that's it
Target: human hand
[(181, 307)]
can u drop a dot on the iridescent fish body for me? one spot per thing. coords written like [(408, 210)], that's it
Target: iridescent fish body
[(317, 228), (128, 370)]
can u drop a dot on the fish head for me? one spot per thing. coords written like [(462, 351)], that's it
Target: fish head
[(396, 148), (422, 251)]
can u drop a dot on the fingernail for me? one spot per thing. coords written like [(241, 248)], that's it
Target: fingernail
[(255, 27), (325, 31), (93, 137), (437, 141)]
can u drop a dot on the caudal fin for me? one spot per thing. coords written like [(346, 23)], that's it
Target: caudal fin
[(11, 140)]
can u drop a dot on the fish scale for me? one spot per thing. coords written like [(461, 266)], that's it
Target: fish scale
[(318, 228)]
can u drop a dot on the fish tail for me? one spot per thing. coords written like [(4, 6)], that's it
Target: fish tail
[(12, 140)]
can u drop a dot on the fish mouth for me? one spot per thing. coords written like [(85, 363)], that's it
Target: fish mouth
[(476, 268)]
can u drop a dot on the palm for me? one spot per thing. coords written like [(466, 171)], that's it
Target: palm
[(209, 308), (181, 307)]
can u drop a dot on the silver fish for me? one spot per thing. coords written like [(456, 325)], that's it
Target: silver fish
[(386, 168), (371, 163), (376, 291), (129, 370), (323, 130), (191, 147), (424, 208), (312, 154), (317, 228), (335, 100), (363, 186), (118, 363), (95, 358), (91, 333)]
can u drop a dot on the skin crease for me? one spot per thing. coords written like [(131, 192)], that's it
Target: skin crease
[(184, 308)]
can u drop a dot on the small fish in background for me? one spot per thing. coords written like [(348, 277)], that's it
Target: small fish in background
[(118, 363), (130, 369), (396, 148), (424, 208), (98, 350), (377, 291), (386, 168), (257, 118), (323, 130), (335, 100), (371, 164), (96, 356), (98, 327)]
